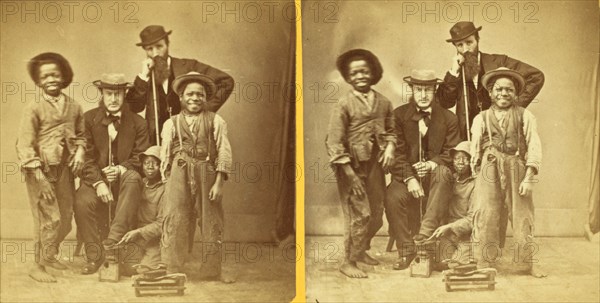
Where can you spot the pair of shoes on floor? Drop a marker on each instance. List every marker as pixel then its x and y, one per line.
pixel 403 262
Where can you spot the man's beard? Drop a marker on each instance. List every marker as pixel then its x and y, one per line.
pixel 161 69
pixel 471 65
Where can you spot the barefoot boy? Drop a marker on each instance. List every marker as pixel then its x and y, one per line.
pixel 361 142
pixel 51 149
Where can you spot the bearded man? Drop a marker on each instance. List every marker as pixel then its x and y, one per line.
pixel 465 38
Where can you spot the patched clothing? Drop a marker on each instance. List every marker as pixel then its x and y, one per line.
pixel 49 136
pixel 503 165
pixel 359 130
pixel 196 148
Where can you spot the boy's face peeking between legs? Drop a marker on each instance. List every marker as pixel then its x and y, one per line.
pixel 360 75
pixel 461 160
pixel 193 98
pixel 150 166
pixel 50 79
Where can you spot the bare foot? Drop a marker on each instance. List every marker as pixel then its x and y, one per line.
pixel 54 263
pixel 227 279
pixel 39 274
pixel 536 272
pixel 349 269
pixel 365 258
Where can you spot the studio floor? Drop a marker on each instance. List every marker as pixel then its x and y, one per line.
pixel 572 265
pixel 263 273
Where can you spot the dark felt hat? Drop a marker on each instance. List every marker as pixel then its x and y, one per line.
pixel 65 68
pixel 152 34
pixel 517 78
pixel 180 82
pixel 113 81
pixel 422 77
pixel 462 30
pixel 344 59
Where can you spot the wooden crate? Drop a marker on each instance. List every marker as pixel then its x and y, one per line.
pixel 164 286
pixel 482 279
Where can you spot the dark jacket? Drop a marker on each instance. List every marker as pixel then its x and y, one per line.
pixel 442 135
pixel 140 96
pixel 450 93
pixel 132 140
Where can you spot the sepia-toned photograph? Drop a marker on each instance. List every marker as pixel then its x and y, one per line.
pixel 148 151
pixel 451 151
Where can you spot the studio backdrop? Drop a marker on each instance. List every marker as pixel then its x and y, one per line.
pixel 100 37
pixel 558 37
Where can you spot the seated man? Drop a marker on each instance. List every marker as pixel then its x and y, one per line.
pixel 146 238
pixel 458 228
pixel 426 132
pixel 115 138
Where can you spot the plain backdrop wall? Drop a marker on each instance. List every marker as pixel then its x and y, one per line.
pixel 253 47
pixel 558 37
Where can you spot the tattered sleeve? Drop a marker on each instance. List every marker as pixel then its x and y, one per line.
pixel 224 157
pixel 27 139
pixel 336 140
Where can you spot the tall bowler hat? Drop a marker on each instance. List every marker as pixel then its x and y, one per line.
pixel 357 54
pixel 462 30
pixel 490 77
pixel 113 81
pixel 65 68
pixel 152 34
pixel 182 80
pixel 422 77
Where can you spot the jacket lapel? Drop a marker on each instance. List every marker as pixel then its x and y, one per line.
pixel 411 129
pixel 436 130
pixel 100 135
pixel 126 136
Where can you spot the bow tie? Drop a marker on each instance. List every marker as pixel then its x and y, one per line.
pixel 112 119
pixel 421 114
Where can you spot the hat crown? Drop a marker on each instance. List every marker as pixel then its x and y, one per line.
pixel 423 75
pixel 462 30
pixel 152 31
pixel 113 79
pixel 153 151
pixel 464 146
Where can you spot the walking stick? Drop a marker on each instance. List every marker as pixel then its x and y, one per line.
pixel 155 100
pixel 110 162
pixel 420 179
pixel 466 104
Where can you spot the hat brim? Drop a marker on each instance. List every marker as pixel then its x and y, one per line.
pixel 377 69
pixel 102 85
pixel 452 40
pixel 63 64
pixel 410 80
pixel 506 73
pixel 207 82
pixel 142 44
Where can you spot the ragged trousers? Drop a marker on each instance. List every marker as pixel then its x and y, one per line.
pixel 187 201
pixel 498 201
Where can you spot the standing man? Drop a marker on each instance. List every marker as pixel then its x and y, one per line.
pixel 155 42
pixel 115 139
pixel 421 168
pixel 465 38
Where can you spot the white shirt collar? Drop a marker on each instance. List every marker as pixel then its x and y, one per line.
pixel 117 114
pixel 424 110
pixel 61 97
